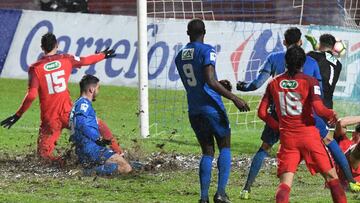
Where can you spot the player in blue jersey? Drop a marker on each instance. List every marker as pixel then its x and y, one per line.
pixel 196 66
pixel 275 65
pixel 91 150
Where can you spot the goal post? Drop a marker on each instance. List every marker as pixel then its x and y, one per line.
pixel 143 68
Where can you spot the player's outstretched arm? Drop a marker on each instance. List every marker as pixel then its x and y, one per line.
pixel 210 79
pixel 342 123
pixel 88 60
pixel 253 85
pixel 30 96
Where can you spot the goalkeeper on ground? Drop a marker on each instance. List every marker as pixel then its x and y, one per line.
pixel 89 147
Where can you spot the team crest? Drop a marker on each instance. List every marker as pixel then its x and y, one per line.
pixel 187 54
pixel 288 84
pixel 53 65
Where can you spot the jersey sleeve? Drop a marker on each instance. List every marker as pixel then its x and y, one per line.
pixel 84 122
pixel 267 66
pixel 263 110
pixel 32 92
pixel 209 57
pixel 87 60
pixel 315 98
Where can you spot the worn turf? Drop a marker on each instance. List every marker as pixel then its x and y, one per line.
pixel 24 179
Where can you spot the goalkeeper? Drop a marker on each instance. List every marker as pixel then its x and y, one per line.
pixel 90 148
pixel 275 65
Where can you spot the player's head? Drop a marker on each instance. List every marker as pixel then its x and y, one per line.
pixel 327 42
pixel 295 58
pixel 48 42
pixel 292 36
pixel 89 86
pixel 196 29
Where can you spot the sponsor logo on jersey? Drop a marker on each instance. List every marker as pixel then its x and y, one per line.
pixel 288 84
pixel 212 55
pixel 187 54
pixel 53 65
pixel 84 107
pixel 317 90
pixel 331 58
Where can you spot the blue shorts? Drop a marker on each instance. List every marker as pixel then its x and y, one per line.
pixel 216 123
pixel 269 136
pixel 321 126
pixel 91 154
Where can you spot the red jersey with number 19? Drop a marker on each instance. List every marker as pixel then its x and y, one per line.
pixel 49 77
pixel 294 98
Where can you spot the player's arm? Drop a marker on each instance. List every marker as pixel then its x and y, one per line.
pixel 342 123
pixel 318 105
pixel 209 72
pixel 91 59
pixel 263 111
pixel 82 124
pixel 317 75
pixel 264 74
pixel 32 92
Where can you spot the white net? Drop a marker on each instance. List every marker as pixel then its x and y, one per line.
pixel 252 30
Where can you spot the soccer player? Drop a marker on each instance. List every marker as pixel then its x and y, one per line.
pixel 295 95
pixel 275 65
pixel 89 146
pixel 350 147
pixel 196 66
pixel 49 78
pixel 330 68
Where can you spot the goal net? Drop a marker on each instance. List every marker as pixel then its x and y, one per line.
pixel 243 33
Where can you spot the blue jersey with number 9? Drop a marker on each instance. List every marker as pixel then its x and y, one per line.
pixel 190 63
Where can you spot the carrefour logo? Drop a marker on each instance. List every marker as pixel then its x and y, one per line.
pixel 288 84
pixel 52 65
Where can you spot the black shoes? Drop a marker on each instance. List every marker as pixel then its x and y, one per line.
pixel 221 198
pixel 203 201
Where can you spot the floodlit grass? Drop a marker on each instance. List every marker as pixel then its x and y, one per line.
pixel 117 106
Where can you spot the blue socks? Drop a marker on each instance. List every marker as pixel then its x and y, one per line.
pixel 340 159
pixel 255 167
pixel 224 166
pixel 205 175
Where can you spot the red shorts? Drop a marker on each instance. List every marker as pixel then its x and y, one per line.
pixel 308 147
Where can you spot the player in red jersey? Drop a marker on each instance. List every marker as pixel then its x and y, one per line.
pixel 350 147
pixel 49 78
pixel 295 95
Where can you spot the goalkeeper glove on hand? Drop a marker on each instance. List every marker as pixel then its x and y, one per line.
pixel 312 40
pixel 241 86
pixel 109 53
pixel 226 84
pixel 8 122
pixel 103 143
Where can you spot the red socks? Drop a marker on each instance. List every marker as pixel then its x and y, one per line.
pixel 282 193
pixel 337 192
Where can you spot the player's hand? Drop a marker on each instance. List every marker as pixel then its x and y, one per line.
pixel 8 122
pixel 241 104
pixel 109 53
pixel 241 86
pixel 226 84
pixel 333 120
pixel 102 142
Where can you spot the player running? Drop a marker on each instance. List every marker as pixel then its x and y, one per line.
pixel 275 65
pixel 89 146
pixel 49 78
pixel 196 66
pixel 295 95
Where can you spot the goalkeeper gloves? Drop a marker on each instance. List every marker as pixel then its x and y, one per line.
pixel 312 40
pixel 241 86
pixel 8 122
pixel 109 53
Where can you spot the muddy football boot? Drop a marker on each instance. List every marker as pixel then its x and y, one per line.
pixel 221 198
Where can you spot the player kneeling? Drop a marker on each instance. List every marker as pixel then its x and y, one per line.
pixel 295 95
pixel 90 148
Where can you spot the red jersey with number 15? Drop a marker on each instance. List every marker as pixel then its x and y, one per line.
pixel 50 76
pixel 294 99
